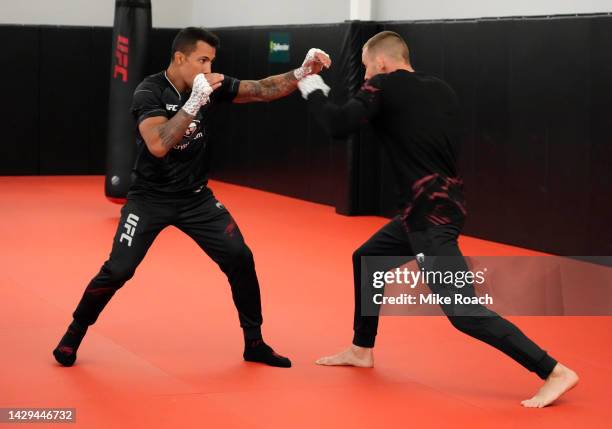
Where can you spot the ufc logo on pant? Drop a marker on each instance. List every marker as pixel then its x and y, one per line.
pixel 130 229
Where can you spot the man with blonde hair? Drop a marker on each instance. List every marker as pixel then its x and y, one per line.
pixel 414 116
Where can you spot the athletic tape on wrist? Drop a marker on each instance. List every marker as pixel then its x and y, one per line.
pixel 312 83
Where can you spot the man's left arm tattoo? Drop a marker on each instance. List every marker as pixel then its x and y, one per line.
pixel 268 89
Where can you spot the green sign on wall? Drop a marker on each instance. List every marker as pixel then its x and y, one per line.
pixel 279 48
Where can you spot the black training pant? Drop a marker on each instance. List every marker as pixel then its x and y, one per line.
pixel 476 320
pixel 201 217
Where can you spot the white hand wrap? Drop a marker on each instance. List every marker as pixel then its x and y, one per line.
pixel 312 83
pixel 200 93
pixel 306 69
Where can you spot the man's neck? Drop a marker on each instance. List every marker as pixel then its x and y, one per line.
pixel 173 77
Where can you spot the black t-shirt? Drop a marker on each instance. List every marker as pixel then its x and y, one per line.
pixel 414 116
pixel 185 167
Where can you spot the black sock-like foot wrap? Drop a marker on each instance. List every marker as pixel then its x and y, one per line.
pixel 65 352
pixel 258 351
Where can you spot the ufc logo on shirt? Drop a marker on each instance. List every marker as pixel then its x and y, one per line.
pixel 172 107
pixel 130 229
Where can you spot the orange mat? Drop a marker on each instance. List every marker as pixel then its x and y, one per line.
pixel 166 353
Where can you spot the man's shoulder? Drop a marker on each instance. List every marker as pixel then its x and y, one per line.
pixel 420 80
pixel 151 93
pixel 151 90
pixel 422 77
pixel 375 83
pixel 155 82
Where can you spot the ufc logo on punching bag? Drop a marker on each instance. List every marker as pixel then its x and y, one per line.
pixel 130 229
pixel 121 57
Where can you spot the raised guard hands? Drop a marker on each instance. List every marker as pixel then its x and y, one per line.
pixel 203 86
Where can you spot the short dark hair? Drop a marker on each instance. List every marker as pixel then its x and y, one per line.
pixel 390 43
pixel 187 39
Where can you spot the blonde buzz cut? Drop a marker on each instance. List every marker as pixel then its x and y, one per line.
pixel 390 44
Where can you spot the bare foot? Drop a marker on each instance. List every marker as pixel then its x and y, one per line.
pixel 558 382
pixel 353 356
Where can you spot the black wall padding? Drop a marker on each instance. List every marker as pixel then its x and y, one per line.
pixel 536 137
pixel 598 185
pixel 20 86
pixel 64 100
pixel 101 41
pixel 57 80
pixel 277 146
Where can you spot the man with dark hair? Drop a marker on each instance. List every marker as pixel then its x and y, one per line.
pixel 170 186
pixel 186 40
pixel 414 116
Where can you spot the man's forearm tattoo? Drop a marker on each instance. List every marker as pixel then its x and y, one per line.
pixel 267 89
pixel 172 131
